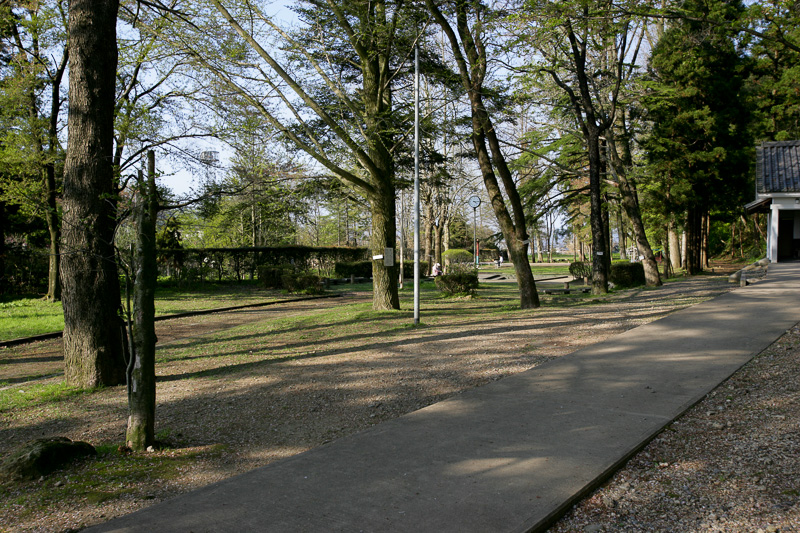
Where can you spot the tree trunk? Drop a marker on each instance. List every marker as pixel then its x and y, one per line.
pixel 630 201
pixel 3 279
pixel 51 188
pixel 384 279
pixel 469 52
pixel 437 245
pixel 599 251
pixel 629 198
pixel 606 213
pixel 53 279
pixel 694 238
pixel 623 241
pixel 427 237
pixel 93 350
pixel 142 391
pixel 704 255
pixel 673 245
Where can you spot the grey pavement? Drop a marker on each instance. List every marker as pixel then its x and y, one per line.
pixel 509 456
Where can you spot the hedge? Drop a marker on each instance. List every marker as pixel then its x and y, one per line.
pixel 188 264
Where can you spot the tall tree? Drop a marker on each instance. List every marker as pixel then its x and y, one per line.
pixel 775 80
pixel 588 49
pixel 464 24
pixel 93 344
pixel 329 93
pixel 699 148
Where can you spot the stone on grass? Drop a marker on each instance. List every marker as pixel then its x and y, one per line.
pixel 41 457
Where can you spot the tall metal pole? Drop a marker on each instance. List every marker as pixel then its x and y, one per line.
pixel 475 235
pixel 416 185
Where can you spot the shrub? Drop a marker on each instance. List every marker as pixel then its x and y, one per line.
pixel 458 261
pixel 457 284
pixel 625 274
pixel 580 269
pixel 304 282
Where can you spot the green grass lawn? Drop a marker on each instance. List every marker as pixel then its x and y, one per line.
pixel 24 316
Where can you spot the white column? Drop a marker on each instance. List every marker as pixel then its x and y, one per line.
pixel 772 234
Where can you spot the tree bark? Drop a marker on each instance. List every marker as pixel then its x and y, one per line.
pixel 142 386
pixel 674 245
pixel 385 295
pixel 93 350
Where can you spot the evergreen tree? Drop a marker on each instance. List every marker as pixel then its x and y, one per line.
pixel 699 149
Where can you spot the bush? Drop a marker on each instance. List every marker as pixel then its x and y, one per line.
pixel 303 282
pixel 457 284
pixel 624 274
pixel 580 269
pixel 458 261
pixel 359 269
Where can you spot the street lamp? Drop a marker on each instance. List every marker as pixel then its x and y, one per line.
pixel 475 203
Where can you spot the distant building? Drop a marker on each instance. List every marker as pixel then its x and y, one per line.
pixel 778 195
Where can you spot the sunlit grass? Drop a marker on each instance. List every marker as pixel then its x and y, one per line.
pixel 26 316
pixel 37 394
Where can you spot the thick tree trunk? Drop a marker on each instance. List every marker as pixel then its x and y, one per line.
pixel 599 240
pixel 93 350
pixel 142 391
pixel 437 246
pixel 384 279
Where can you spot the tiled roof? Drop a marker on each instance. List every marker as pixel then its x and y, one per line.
pixel 778 167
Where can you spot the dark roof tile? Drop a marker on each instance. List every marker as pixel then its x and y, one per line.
pixel 778 167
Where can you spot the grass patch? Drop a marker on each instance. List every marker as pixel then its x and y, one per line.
pixel 108 476
pixel 37 394
pixel 25 316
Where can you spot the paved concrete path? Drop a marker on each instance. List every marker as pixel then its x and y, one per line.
pixel 509 456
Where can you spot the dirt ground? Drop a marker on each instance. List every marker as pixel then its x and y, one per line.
pixel 273 392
